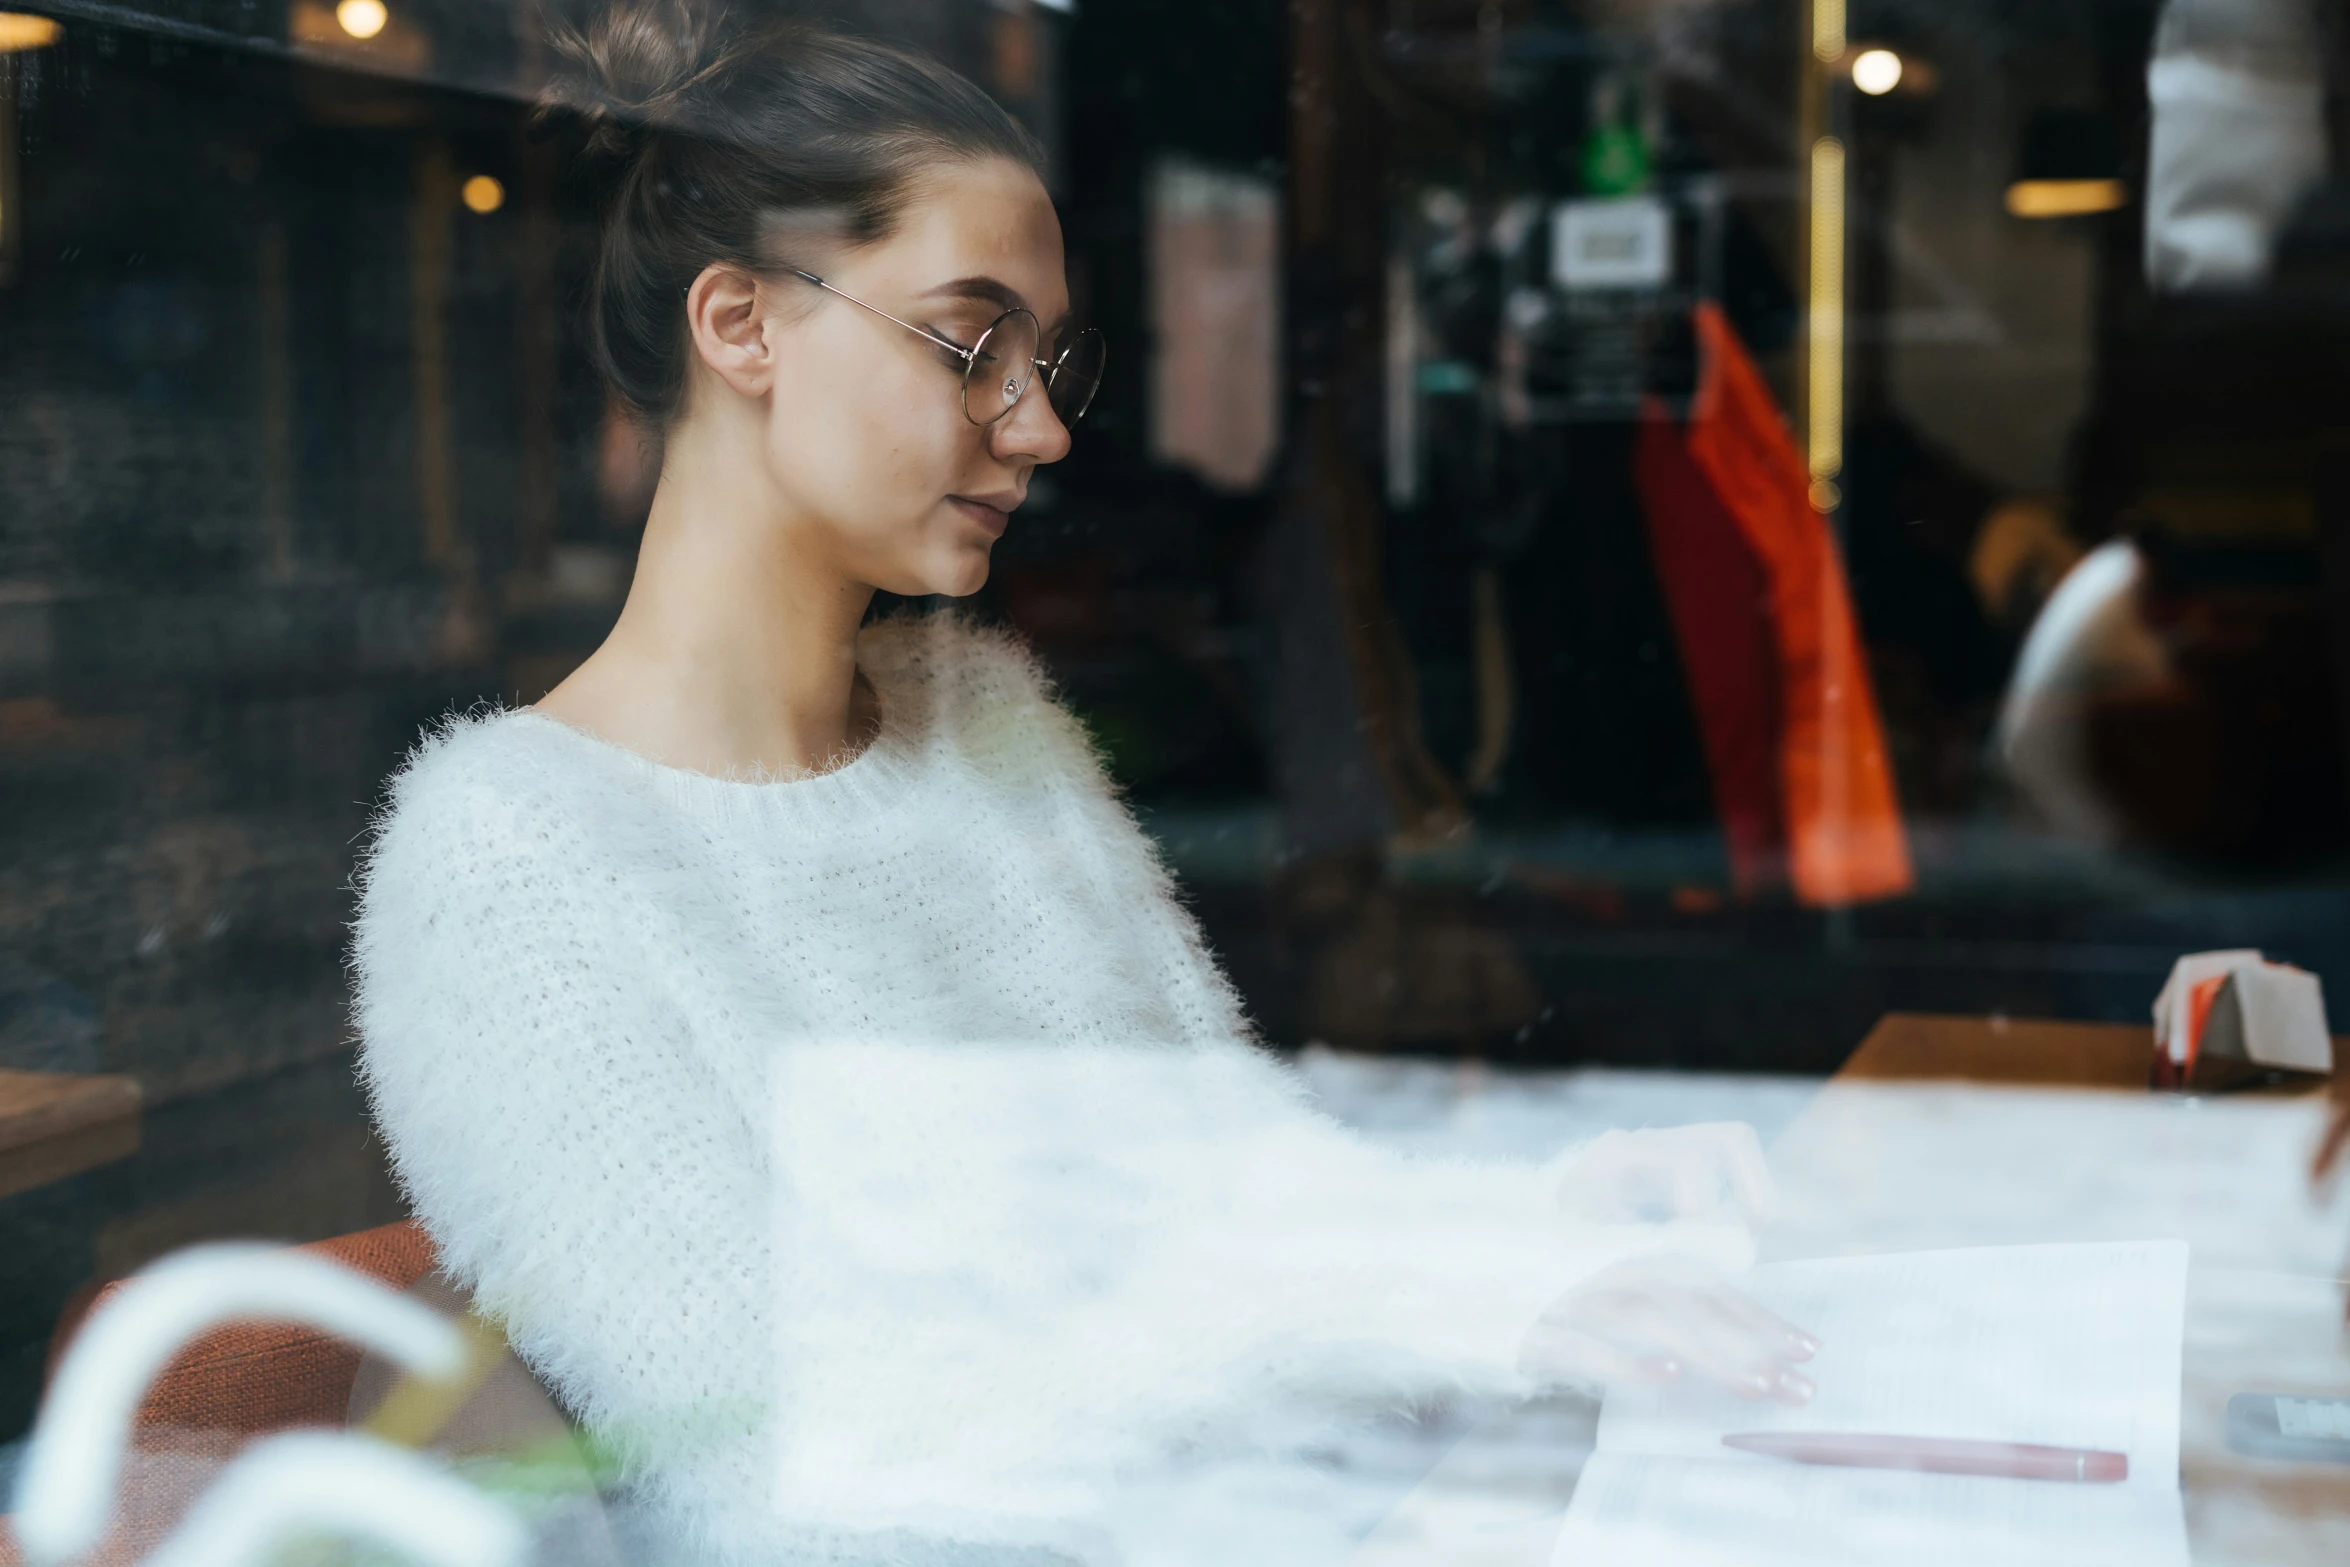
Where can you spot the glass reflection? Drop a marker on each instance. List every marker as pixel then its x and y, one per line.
pixel 1631 539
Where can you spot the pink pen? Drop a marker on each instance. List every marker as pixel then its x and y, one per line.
pixel 1938 1455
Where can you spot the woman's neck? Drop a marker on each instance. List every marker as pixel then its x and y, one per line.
pixel 736 652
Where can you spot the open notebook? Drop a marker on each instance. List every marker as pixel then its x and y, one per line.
pixel 2069 1346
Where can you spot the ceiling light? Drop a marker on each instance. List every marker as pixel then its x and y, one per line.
pixel 1876 71
pixel 19 31
pixel 362 18
pixel 2064 198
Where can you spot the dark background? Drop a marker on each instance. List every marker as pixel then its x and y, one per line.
pixel 297 453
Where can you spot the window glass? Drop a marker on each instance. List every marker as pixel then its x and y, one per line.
pixel 1638 563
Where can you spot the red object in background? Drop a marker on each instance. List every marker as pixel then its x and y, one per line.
pixel 1766 628
pixel 1720 604
pixel 2199 1000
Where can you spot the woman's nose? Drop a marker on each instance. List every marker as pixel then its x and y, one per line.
pixel 1032 429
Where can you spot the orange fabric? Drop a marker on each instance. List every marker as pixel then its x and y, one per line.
pixel 255 1377
pixel 1719 599
pixel 1845 839
pixel 228 1387
pixel 163 1475
pixel 2200 996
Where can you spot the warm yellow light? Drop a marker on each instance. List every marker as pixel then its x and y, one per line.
pixel 483 193
pixel 1827 30
pixel 1876 71
pixel 362 18
pixel 1824 422
pixel 19 31
pixel 2065 198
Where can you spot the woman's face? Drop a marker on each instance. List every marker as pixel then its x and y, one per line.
pixel 866 438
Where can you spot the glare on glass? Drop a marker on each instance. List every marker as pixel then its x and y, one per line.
pixel 998 368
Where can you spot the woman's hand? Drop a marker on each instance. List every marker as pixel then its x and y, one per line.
pixel 1660 1318
pixel 1713 1171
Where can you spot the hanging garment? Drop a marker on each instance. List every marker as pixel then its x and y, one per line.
pixel 1766 628
pixel 1720 603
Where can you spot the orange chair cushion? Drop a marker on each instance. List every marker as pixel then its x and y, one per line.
pixel 228 1387
pixel 255 1377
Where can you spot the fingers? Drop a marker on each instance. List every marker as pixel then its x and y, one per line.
pixel 1668 1311
pixel 1565 1354
pixel 1753 1335
pixel 1718 1344
pixel 1712 1331
pixel 1767 1325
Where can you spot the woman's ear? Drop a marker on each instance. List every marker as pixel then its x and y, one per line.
pixel 727 318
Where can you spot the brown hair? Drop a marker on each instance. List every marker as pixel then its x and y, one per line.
pixel 736 136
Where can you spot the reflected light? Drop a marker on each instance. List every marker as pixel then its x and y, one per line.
pixel 483 193
pixel 1827 30
pixel 19 31
pixel 1876 71
pixel 2064 198
pixel 1824 424
pixel 362 18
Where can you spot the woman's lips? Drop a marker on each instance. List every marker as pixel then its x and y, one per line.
pixel 993 518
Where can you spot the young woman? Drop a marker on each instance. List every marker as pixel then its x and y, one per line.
pixel 781 1026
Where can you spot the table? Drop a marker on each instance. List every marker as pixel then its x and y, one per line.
pixel 2035 1052
pixel 1914 1046
pixel 1955 1131
pixel 1943 1131
pixel 56 1124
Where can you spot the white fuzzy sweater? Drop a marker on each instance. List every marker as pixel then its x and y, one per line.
pixel 878 1162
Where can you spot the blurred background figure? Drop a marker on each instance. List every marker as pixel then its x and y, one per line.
pixel 2089 641
pixel 2237 94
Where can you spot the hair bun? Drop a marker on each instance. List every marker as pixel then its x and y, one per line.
pixel 630 62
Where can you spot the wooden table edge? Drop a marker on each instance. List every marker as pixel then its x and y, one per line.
pixel 56 1124
pixel 2025 1052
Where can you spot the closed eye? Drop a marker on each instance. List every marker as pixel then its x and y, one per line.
pixel 948 347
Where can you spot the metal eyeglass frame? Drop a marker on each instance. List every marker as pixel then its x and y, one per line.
pixel 970 356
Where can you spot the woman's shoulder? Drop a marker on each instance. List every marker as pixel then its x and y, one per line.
pixel 490 775
pixel 979 691
pixel 485 750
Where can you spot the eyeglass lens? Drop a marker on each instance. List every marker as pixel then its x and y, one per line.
pixel 1077 375
pixel 1001 364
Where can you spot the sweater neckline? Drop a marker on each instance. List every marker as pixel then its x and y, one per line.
pixel 876 776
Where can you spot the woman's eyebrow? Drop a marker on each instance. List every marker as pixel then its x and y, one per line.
pixel 991 291
pixel 986 289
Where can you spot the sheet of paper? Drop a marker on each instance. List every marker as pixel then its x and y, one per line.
pixel 2068 1345
pixel 1668 1512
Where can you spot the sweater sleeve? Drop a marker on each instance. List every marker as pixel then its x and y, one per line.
pixel 1372 1268
pixel 1407 1273
pixel 575 1161
pixel 1039 1264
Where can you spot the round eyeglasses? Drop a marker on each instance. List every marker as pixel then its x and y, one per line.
pixel 998 368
